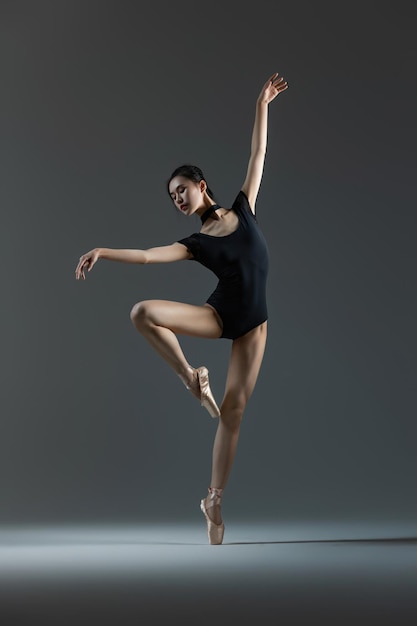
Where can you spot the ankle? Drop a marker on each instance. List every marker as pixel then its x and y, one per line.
pixel 214 497
pixel 189 377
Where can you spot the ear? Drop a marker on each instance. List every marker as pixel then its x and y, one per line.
pixel 203 186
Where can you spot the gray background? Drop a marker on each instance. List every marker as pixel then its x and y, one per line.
pixel 100 102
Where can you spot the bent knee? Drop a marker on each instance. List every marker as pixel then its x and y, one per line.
pixel 141 313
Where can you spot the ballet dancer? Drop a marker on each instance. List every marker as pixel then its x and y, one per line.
pixel 230 244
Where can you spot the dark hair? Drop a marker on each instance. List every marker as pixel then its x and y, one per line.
pixel 192 172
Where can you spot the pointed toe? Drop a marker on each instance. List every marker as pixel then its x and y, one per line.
pixel 215 532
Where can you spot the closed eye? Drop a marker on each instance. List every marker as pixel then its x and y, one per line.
pixel 179 191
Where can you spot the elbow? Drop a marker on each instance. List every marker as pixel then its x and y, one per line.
pixel 143 257
pixel 258 152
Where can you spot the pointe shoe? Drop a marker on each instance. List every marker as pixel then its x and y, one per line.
pixel 207 399
pixel 215 532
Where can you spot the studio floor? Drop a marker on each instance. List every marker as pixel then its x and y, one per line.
pixel 288 573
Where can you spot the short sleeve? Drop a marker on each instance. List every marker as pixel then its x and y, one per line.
pixel 241 204
pixel 193 245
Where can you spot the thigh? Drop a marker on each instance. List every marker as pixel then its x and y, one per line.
pixel 181 318
pixel 245 362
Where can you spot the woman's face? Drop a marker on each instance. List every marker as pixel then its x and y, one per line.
pixel 186 194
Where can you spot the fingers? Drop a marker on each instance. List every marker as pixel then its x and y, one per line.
pixel 79 271
pixel 274 78
pixel 85 265
pixel 281 87
pixel 278 82
pixel 270 81
pixel 278 85
pixel 274 86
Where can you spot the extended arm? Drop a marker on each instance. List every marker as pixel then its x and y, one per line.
pixel 269 91
pixel 161 254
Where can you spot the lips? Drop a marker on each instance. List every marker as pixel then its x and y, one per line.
pixel 183 206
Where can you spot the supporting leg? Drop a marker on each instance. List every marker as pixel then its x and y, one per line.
pixel 245 362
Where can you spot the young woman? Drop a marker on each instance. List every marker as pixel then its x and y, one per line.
pixel 230 244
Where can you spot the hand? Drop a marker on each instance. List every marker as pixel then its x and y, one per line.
pixel 87 260
pixel 272 88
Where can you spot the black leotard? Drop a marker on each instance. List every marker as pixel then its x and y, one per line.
pixel 240 260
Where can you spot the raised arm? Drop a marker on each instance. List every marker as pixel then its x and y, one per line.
pixel 161 254
pixel 270 90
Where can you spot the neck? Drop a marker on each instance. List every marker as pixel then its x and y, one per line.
pixel 208 212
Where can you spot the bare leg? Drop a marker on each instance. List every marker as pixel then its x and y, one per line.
pixel 245 362
pixel 160 321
